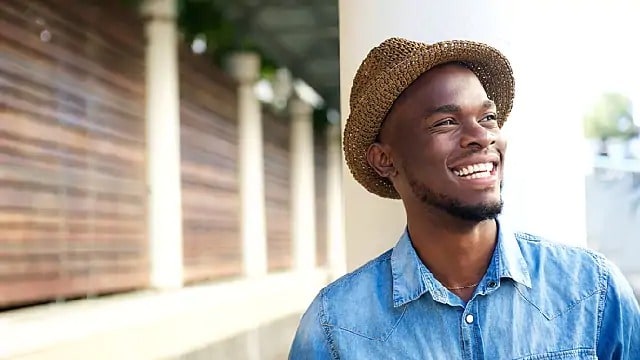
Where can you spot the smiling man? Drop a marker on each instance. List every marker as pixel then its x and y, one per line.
pixel 425 128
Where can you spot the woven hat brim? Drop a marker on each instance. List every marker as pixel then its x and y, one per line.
pixel 369 111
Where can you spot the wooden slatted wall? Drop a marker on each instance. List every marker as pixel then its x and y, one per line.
pixel 209 137
pixel 72 150
pixel 320 157
pixel 277 191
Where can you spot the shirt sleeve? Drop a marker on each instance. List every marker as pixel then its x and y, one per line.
pixel 311 341
pixel 619 336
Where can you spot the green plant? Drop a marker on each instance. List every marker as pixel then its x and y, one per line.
pixel 610 117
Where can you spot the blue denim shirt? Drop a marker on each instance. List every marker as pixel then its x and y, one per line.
pixel 537 300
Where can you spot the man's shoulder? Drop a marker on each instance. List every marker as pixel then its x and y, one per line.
pixel 562 275
pixel 348 302
pixel 360 282
pixel 536 248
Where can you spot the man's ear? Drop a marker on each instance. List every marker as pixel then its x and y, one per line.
pixel 379 158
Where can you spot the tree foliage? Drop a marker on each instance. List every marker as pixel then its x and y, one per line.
pixel 610 117
pixel 213 21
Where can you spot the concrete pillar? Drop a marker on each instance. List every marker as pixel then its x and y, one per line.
pixel 163 145
pixel 372 225
pixel 245 67
pixel 335 227
pixel 303 224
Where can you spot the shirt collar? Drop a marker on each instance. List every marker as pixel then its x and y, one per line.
pixel 411 279
pixel 511 263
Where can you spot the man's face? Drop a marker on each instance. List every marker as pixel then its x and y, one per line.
pixel 443 141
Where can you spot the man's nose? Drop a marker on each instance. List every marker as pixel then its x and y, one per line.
pixel 476 135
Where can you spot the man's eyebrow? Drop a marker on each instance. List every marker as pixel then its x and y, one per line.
pixel 488 104
pixel 453 108
pixel 446 109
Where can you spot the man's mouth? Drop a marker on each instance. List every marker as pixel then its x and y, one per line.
pixel 476 171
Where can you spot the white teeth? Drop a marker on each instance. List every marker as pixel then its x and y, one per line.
pixel 476 170
pixel 478 175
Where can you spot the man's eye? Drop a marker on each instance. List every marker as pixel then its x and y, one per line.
pixel 490 117
pixel 446 122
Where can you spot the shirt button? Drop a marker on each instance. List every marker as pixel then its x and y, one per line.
pixel 469 319
pixel 492 284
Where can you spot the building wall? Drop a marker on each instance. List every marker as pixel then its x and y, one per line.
pixel 210 318
pixel 72 204
pixel 72 129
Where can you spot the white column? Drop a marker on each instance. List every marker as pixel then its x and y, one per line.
pixel 303 215
pixel 163 145
pixel 335 227
pixel 245 67
pixel 372 224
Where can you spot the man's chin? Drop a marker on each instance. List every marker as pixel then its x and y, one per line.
pixel 470 207
pixel 475 212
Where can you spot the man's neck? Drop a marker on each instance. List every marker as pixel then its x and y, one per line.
pixel 457 252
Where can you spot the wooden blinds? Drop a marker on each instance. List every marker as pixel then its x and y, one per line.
pixel 277 191
pixel 72 151
pixel 209 138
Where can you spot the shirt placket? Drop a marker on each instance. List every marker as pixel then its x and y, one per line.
pixel 470 332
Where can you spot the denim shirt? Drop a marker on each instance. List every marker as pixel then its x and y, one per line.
pixel 537 300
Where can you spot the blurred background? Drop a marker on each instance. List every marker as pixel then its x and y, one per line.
pixel 171 177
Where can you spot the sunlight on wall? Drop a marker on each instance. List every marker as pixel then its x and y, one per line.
pixel 564 55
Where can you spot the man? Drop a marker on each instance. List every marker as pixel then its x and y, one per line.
pixel 425 127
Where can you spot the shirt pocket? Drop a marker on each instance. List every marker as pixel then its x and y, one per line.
pixel 575 354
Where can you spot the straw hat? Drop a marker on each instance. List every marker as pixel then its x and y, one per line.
pixel 388 70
